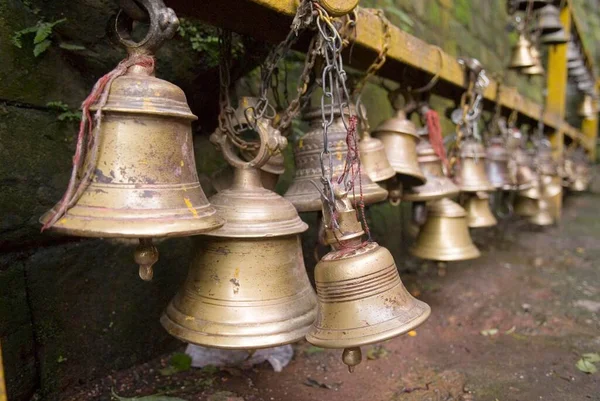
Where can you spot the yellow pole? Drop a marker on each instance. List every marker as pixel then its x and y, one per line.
pixel 557 82
pixel 3 396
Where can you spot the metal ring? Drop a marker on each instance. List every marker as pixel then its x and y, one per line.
pixel 435 78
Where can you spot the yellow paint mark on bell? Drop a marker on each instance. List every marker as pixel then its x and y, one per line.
pixel 301 143
pixel 181 163
pixel 190 207
pixel 412 333
pixel 143 161
pixel 339 155
pixel 190 318
pixel 236 273
pixel 62 221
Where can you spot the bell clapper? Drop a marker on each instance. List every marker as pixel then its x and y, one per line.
pixel 352 357
pixel 146 255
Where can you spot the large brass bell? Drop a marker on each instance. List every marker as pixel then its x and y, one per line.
pixel 470 175
pixel 445 234
pixel 478 210
pixel 399 137
pixel 303 193
pixel 438 185
pixel 247 286
pixel 144 182
pixel 496 165
pixel 586 108
pixel 361 299
pixel 549 20
pixel 521 54
pixel 556 38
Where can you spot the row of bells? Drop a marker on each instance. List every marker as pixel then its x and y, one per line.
pixel 247 285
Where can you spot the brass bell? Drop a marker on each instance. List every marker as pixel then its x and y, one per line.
pixel 247 286
pixel 302 192
pixel 470 175
pixel 497 165
pixel 525 176
pixel 144 183
pixel 549 20
pixel 269 173
pixel 525 207
pixel 521 54
pixel 586 108
pixel 478 210
pixel 542 217
pixel 438 185
pixel 399 137
pixel 445 234
pixel 361 298
pixel 374 159
pixel 537 68
pixel 556 38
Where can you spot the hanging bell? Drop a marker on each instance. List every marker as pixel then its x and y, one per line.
pixel 269 173
pixel 549 20
pixel 559 37
pixel 361 299
pixel 445 235
pixel 537 68
pixel 521 54
pixel 478 210
pixel 525 207
pixel 586 108
pixel 542 217
pixel 144 182
pixel 470 175
pixel 525 175
pixel 374 159
pixel 578 72
pixel 575 64
pixel 303 193
pixel 437 185
pixel 399 137
pixel 573 52
pixel 247 286
pixel 497 165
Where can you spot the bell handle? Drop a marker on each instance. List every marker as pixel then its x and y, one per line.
pixel 271 142
pixel 163 23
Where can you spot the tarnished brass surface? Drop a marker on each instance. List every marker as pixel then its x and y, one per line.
pixel 543 216
pixel 337 8
pixel 537 68
pixel 269 173
pixel 586 108
pixel 470 175
pixel 549 20
pixel 145 183
pixel 348 227
pixel 478 210
pixel 374 159
pixel 520 54
pixel 445 235
pixel 526 177
pixel 399 137
pixel 555 38
pixel 525 207
pixel 247 286
pixel 438 185
pixel 303 194
pixel 496 165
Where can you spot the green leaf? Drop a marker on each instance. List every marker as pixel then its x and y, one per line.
pixel 45 30
pixel 71 46
pixel 490 332
pixel 586 366
pixel 41 47
pixel 313 350
pixel 593 358
pixel 17 36
pixel 154 397
pixel 179 362
pixel 376 352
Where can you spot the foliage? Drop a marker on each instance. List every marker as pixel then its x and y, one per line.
pixel 179 362
pixel 587 363
pixel 64 112
pixel 42 39
pixel 200 39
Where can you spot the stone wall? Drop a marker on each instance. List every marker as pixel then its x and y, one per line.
pixel 73 309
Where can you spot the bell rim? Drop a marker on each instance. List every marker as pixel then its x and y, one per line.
pixel 376 194
pixel 466 253
pixel 415 197
pixel 381 175
pixel 373 338
pixel 482 222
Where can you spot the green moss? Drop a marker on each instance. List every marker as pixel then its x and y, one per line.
pixel 462 11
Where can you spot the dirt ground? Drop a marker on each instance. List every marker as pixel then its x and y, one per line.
pixel 534 292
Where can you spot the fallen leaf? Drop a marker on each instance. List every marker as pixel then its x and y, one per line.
pixel 316 384
pixel 313 350
pixel 489 332
pixel 412 333
pixel 592 357
pixel 511 330
pixel 586 366
pixel 376 352
pixel 179 362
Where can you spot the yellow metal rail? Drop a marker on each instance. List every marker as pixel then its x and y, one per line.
pixel 270 20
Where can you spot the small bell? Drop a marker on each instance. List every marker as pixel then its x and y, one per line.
pixel 470 175
pixel 575 64
pixel 478 210
pixel 537 68
pixel 556 38
pixel 578 71
pixel 586 108
pixel 438 185
pixel 549 20
pixel 573 52
pixel 303 193
pixel 399 137
pixel 542 217
pixel 374 159
pixel 361 299
pixel 521 54
pixel 247 286
pixel 497 165
pixel 445 235
pixel 525 176
pixel 144 182
pixel 525 207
